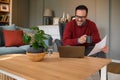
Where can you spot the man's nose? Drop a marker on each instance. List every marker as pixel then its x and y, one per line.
pixel 79 19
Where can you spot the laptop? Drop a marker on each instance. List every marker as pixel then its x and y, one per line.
pixel 71 51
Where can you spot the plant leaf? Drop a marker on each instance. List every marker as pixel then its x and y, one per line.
pixel 26 38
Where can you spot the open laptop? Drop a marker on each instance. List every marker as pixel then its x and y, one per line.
pixel 71 51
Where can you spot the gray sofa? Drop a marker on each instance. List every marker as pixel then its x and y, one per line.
pixel 15 49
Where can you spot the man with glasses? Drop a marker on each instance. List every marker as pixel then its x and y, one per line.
pixel 78 30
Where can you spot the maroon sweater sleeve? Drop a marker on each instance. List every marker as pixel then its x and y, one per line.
pixel 67 35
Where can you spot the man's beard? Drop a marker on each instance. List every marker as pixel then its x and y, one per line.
pixel 83 23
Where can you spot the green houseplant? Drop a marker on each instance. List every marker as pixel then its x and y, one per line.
pixel 37 44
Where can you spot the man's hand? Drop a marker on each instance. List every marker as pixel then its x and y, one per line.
pixel 82 39
pixel 105 49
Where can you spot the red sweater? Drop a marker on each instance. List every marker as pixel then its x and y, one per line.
pixel 72 32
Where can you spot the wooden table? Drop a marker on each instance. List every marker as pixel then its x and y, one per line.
pixel 18 66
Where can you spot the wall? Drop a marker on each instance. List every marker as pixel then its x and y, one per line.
pixel 115 29
pixel 68 6
pixel 102 17
pixel 20 13
pixel 36 11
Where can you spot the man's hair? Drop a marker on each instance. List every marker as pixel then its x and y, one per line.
pixel 81 7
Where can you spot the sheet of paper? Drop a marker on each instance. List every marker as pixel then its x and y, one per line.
pixel 98 46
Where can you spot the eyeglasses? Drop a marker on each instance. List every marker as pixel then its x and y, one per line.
pixel 81 17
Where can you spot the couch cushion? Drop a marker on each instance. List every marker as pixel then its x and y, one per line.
pixel 11 27
pixel 25 47
pixel 25 30
pixel 13 37
pixel 11 50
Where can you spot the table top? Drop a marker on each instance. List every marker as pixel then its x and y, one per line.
pixel 52 67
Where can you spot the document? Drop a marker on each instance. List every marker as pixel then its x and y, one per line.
pixel 99 46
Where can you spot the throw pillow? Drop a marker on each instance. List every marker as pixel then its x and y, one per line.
pixel 5 27
pixel 13 37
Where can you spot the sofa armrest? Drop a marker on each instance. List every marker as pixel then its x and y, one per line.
pixel 49 40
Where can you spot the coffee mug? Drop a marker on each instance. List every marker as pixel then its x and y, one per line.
pixel 89 39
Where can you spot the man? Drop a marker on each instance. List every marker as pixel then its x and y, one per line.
pixel 77 31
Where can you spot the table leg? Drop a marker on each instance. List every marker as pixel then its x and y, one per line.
pixel 103 73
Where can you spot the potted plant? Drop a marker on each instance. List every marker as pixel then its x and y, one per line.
pixel 36 52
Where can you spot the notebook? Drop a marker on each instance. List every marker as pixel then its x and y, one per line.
pixel 71 51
